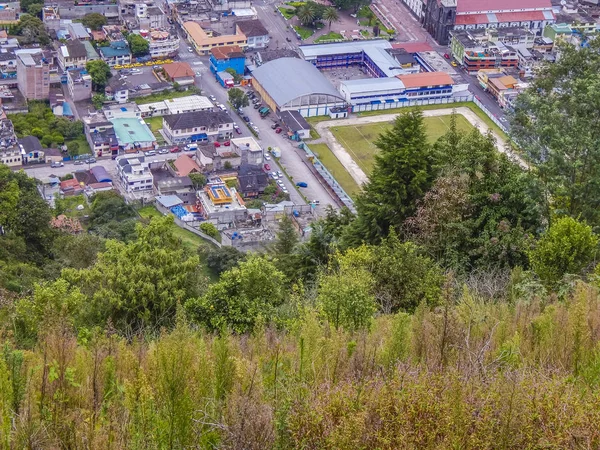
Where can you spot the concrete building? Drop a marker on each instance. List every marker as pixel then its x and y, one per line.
pixel 79 83
pixel 162 44
pixel 116 54
pixel 117 90
pixel 133 134
pixel 249 150
pixel 134 173
pixel 33 74
pixel 203 41
pixel 122 111
pixel 228 57
pixel 462 41
pixel 73 9
pixel 50 17
pixel 442 16
pixel 293 84
pixel 10 152
pixel 78 32
pixel 295 123
pixel 101 137
pixel 178 105
pixel 182 187
pixel 31 150
pixel 91 53
pixel 180 73
pixel 221 204
pixel 255 32
pixel 199 126
pixel 72 55
pixel 474 53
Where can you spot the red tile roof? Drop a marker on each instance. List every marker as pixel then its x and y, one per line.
pixel 471 19
pixel 414 47
pixel 415 80
pixel 500 5
pixel 178 70
pixel 72 183
pixel 229 51
pixel 520 16
pixel 186 165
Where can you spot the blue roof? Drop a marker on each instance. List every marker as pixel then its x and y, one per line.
pixel 67 109
pixel 117 48
pixel 101 174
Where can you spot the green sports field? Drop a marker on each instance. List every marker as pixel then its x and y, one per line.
pixel 359 140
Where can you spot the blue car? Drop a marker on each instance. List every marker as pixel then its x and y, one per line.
pixel 302 184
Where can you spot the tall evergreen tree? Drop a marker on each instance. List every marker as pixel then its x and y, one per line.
pixel 403 172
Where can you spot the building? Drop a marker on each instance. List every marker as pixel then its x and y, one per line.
pixel 50 17
pixel 31 150
pixel 134 173
pixel 197 126
pixel 8 63
pixel 530 61
pixel 295 123
pixel 74 9
pixel 162 44
pixel 184 166
pixel 221 204
pixel 154 19
pixel 204 41
pixel 79 83
pixel 228 57
pixel 117 90
pixel 255 32
pixel 133 134
pixel 476 54
pixel 417 7
pixel 117 53
pixel 252 180
pixel 178 105
pixel 122 111
pixel 504 88
pixel 10 152
pixel 78 32
pixel 91 53
pixel 393 92
pixel 182 187
pixel 33 74
pixel 442 16
pixel 180 73
pixel 102 138
pixel 52 155
pixel 293 84
pixel 72 55
pixel 462 41
pixel 249 150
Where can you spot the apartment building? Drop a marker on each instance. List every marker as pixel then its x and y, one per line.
pixel 163 44
pixel 79 83
pixel 134 173
pixel 72 55
pixel 197 126
pixel 33 74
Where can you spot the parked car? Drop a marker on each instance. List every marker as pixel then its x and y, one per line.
pixel 267 157
pixel 275 125
pixel 256 105
pixel 227 143
pixel 191 147
pixel 57 164
pixel 274 175
pixel 280 183
pixel 175 150
pixel 78 162
pixel 150 153
pixel 284 190
pixel 164 151
pixel 446 55
pixel 221 106
pixel 267 167
pixel 302 184
pixel 246 118
pixel 280 174
pixel 453 64
pixel 91 160
pixel 217 144
pixel 316 202
pixel 277 130
pixel 237 130
pixel 212 98
pixel 255 128
pixel 190 49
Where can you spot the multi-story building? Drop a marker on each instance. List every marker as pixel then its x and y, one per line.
pixel 51 18
pixel 442 16
pixel 204 41
pixel 72 55
pixel 180 105
pixel 134 172
pixel 197 126
pixel 228 57
pixel 530 61
pixel 133 134
pixel 10 152
pixel 475 54
pixel 101 137
pixel 255 31
pixel 79 83
pixel 162 44
pixel 117 90
pixel 33 74
pixel 117 53
pixel 78 32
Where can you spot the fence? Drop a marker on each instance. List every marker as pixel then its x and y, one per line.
pixel 406 104
pixel 329 178
pixel 490 115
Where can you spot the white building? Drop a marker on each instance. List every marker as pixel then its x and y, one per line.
pixel 134 172
pixel 197 126
pixel 180 105
pixel 122 111
pixel 163 44
pixel 254 30
pixel 254 151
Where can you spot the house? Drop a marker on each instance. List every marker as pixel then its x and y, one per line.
pixel 295 123
pixel 102 138
pixel 11 156
pixel 180 73
pixel 52 155
pixel 78 32
pixel 123 110
pixel 204 41
pixel 178 105
pixel 10 152
pixel 72 55
pixel 221 204
pixel 117 90
pixel 228 57
pixel 8 63
pixel 250 151
pixel 252 180
pixel 182 187
pixel 184 165
pixel 31 149
pixel 70 187
pixel 133 134
pixel 117 53
pixel 91 53
pixel 79 83
pixel 134 172
pixel 255 32
pixel 33 74
pixel 197 126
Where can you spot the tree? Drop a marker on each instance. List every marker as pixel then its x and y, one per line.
pixel 198 179
pixel 100 73
pixel 98 100
pixel 138 284
pixel 330 15
pixel 403 172
pixel 307 13
pixel 95 21
pixel 221 259
pixel 138 45
pixel 32 30
pixel 568 247
pixel 345 292
pixel 284 248
pixel 237 98
pixel 209 229
pixel 555 123
pixel 111 217
pixel 243 296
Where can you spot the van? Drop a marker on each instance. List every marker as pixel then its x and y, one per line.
pixel 191 147
pixel 222 107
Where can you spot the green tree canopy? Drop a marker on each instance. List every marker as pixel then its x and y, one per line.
pixel 330 15
pixel 138 45
pixel 568 247
pixel 243 296
pixel 31 30
pixel 237 98
pixel 100 73
pixel 95 21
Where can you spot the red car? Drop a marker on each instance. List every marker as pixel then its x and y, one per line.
pixel 217 144
pixel 277 130
pixel 267 167
pixel 446 55
pixel 226 143
pixel 175 150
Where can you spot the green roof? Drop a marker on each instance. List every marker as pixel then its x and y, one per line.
pixel 130 131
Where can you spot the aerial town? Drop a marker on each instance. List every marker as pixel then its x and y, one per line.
pixel 271 224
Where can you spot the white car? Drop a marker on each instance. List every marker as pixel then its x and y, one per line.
pixel 212 98
pixel 280 174
pixel 164 151
pixel 274 175
pixel 221 106
pixel 267 157
pixel 255 128
pixel 280 183
pixel 150 153
pixel 285 191
pixel 190 49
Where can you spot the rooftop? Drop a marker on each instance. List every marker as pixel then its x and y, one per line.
pixel 252 28
pixel 186 165
pixel 130 131
pixel 424 79
pixel 294 120
pixel 73 49
pixel 196 119
pixel 201 37
pixel 246 142
pixel 79 31
pixel 178 70
pixel 286 79
pixel 116 48
pixel 227 52
pixel 467 6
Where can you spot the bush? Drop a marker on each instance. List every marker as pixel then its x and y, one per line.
pixel 210 230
